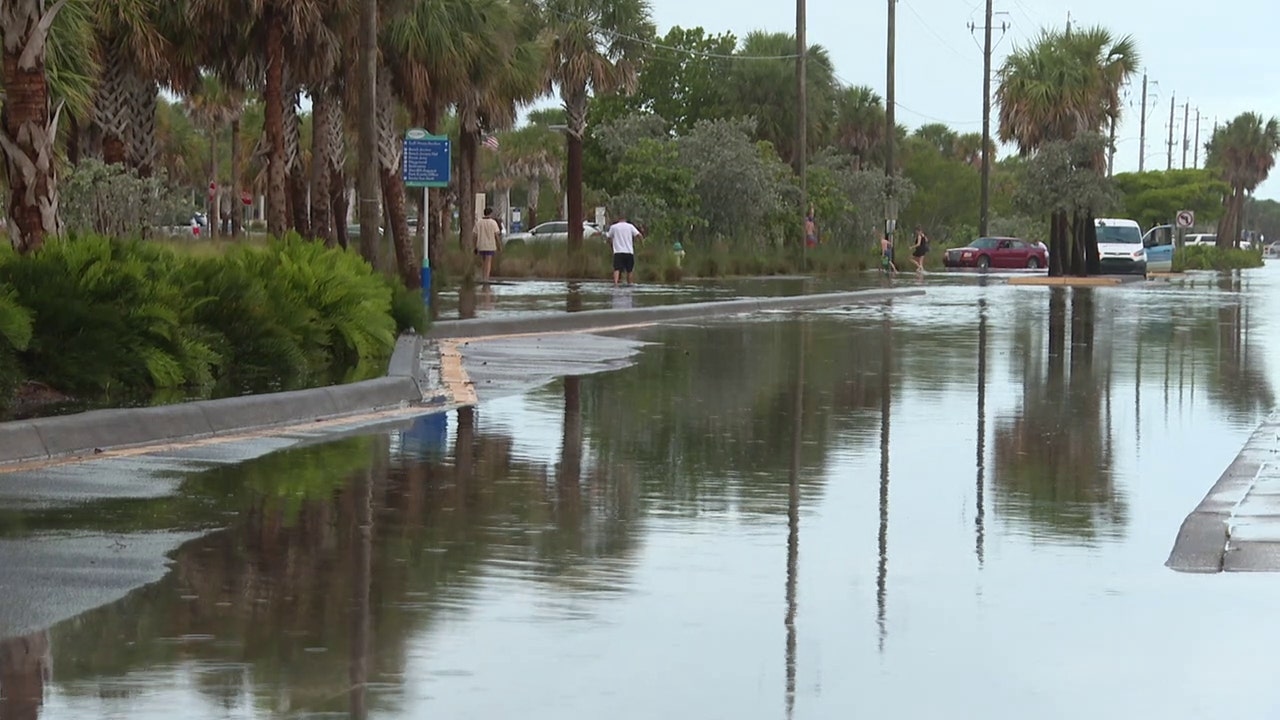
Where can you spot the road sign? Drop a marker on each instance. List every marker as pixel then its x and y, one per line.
pixel 246 198
pixel 1186 219
pixel 426 159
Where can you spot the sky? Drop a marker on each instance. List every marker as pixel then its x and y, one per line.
pixel 1191 50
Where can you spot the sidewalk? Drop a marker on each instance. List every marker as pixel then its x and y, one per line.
pixel 1236 528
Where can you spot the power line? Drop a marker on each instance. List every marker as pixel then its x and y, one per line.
pixel 933 32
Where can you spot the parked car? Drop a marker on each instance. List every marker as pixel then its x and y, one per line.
pixel 190 228
pixel 997 252
pixel 554 231
pixel 1120 247
pixel 1272 250
pixel 1199 239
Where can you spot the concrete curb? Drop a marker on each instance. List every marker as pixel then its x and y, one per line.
pixel 95 430
pixel 1201 545
pixel 586 320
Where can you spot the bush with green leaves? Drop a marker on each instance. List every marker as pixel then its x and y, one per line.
pixel 115 201
pixel 103 318
pixel 1209 257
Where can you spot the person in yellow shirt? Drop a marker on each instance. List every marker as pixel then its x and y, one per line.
pixel 488 241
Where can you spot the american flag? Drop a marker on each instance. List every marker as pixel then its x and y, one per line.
pixel 491 142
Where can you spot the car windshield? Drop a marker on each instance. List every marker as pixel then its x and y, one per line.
pixel 984 243
pixel 1125 234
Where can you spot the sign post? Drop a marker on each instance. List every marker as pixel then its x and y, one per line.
pixel 426 165
pixel 1186 219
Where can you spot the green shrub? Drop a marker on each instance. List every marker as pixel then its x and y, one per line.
pixel 1209 257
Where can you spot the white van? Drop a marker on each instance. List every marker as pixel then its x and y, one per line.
pixel 1120 246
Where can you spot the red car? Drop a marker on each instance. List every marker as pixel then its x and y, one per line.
pixel 998 252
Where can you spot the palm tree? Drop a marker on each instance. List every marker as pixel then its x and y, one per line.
pixel 859 123
pixel 597 48
pixel 499 84
pixel 212 107
pixel 1064 85
pixel 765 90
pixel 1243 152
pixel 257 48
pixel 42 72
pixel 534 154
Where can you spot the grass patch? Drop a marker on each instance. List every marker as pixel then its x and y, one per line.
pixel 1209 257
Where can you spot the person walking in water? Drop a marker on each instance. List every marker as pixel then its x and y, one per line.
pixel 886 255
pixel 920 249
pixel 488 237
pixel 810 229
pixel 623 235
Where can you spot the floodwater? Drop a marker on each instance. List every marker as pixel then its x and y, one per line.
pixel 954 506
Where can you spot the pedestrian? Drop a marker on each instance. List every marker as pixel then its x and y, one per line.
pixel 623 235
pixel 886 255
pixel 488 241
pixel 920 249
pixel 810 230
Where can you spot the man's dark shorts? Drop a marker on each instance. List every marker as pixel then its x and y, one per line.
pixel 487 253
pixel 624 262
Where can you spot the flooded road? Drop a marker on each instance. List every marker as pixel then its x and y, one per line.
pixel 954 506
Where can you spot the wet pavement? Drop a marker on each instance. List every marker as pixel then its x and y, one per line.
pixel 957 505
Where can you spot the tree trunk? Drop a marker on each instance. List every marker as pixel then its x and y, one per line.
pixel 215 190
pixel 1078 245
pixel 1057 243
pixel 324 116
pixel 273 97
pixel 236 202
pixel 73 141
pixel 143 100
pixel 298 201
pixel 390 150
pixel 575 216
pixel 368 154
pixel 534 189
pixel 111 105
pixel 29 125
pixel 467 149
pixel 338 201
pixel 25 668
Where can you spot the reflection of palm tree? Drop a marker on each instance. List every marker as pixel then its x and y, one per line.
pixel 1053 462
pixel 25 666
pixel 362 583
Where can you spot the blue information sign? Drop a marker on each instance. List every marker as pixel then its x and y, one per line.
pixel 426 159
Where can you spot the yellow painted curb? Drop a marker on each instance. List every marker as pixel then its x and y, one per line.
pixel 1067 281
pixel 454 375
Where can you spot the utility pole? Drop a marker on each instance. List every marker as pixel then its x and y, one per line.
pixel 984 213
pixel 891 124
pixel 1171 108
pixel 802 98
pixel 1142 132
pixel 1186 129
pixel 1196 162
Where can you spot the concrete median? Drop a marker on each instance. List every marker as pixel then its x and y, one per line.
pixel 593 319
pixel 20 441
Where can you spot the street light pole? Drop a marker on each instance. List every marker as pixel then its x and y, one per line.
pixel 985 208
pixel 802 102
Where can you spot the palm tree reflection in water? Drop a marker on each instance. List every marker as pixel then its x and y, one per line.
pixel 793 518
pixel 886 369
pixel 25 668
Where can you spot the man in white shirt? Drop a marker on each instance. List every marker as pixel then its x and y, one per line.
pixel 623 235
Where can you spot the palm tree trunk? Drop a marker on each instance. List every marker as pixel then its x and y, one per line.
pixel 29 125
pixel 325 117
pixel 215 191
pixel 111 107
pixel 1057 243
pixel 273 97
pixel 236 202
pixel 143 98
pixel 390 150
pixel 467 149
pixel 534 189
pixel 298 201
pixel 338 201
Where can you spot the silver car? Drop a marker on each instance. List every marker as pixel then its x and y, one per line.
pixel 554 231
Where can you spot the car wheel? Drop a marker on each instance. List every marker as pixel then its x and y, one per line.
pixel 1033 264
pixel 984 262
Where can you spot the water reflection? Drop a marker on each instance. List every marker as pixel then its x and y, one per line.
pixel 1053 460
pixel 373 576
pixel 25 667
pixel 882 567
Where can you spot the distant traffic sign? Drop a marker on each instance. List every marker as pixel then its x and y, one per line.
pixel 426 159
pixel 1186 219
